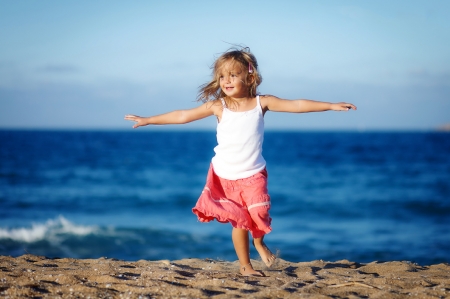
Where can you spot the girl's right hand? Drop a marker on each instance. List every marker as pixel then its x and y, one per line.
pixel 342 106
pixel 140 121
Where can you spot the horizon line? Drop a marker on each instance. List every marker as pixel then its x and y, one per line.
pixel 213 130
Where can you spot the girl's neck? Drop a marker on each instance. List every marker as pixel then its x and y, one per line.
pixel 240 104
pixel 239 100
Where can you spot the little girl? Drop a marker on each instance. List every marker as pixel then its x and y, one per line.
pixel 236 184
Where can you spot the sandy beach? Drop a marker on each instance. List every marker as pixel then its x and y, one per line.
pixel 41 277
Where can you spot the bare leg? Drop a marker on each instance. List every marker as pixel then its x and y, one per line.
pixel 241 245
pixel 266 255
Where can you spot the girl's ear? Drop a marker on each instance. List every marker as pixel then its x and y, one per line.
pixel 250 78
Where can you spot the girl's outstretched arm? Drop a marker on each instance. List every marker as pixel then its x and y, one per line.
pixel 173 117
pixel 272 103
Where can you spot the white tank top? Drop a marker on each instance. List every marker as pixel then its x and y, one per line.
pixel 240 136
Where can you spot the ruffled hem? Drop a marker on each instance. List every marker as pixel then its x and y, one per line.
pixel 260 234
pixel 208 217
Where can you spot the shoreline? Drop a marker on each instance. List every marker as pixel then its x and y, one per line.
pixel 37 276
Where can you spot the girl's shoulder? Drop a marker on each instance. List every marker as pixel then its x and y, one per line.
pixel 267 96
pixel 216 106
pixel 265 100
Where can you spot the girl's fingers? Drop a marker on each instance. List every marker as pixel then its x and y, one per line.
pixel 131 117
pixel 134 118
pixel 349 106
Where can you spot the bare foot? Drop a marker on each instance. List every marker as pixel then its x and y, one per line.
pixel 248 270
pixel 266 255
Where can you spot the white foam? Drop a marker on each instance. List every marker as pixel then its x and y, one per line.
pixel 46 231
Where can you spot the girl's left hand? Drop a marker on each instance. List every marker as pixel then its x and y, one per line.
pixel 140 121
pixel 342 106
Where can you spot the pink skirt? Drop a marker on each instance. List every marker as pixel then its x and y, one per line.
pixel 244 203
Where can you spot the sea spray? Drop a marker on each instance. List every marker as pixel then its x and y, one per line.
pixel 51 230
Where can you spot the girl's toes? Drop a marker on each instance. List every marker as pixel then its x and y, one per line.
pixel 270 260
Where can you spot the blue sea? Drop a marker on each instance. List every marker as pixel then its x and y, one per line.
pixel 361 196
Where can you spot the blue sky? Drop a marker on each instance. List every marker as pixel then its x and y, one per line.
pixel 85 64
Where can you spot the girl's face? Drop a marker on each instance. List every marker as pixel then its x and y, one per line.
pixel 232 80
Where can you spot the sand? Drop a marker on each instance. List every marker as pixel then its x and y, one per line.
pixel 40 277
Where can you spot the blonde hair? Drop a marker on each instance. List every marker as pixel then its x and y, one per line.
pixel 245 60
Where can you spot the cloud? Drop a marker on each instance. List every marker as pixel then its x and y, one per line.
pixel 69 105
pixel 58 68
pixel 428 78
pixel 64 105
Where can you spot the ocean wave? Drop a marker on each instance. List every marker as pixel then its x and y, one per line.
pixel 49 230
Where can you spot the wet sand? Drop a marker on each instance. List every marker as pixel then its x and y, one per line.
pixel 36 276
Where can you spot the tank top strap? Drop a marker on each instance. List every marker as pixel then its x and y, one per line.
pixel 223 103
pixel 257 101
